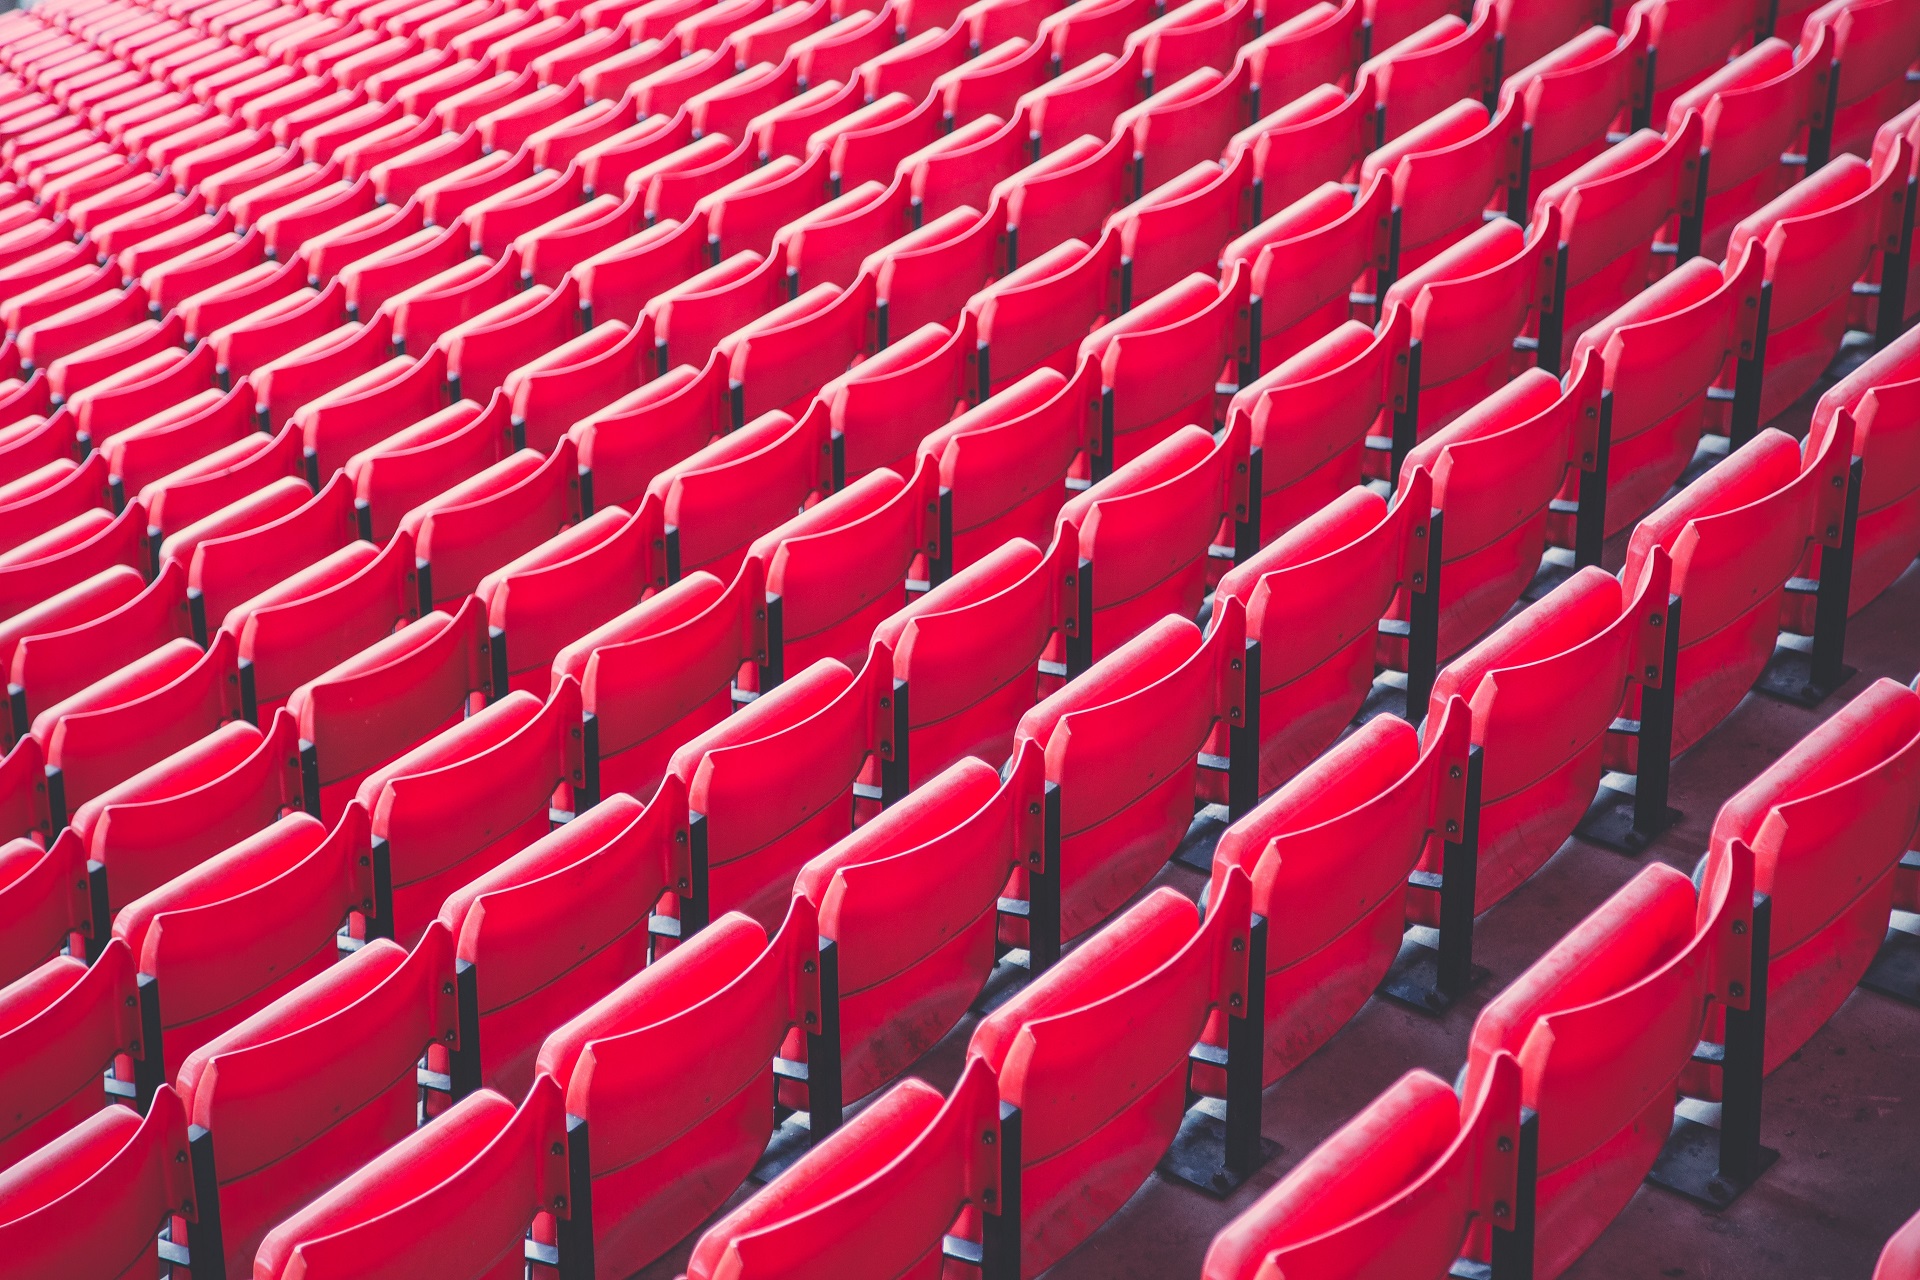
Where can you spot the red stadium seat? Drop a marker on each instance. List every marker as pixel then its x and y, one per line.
pixel 1818 238
pixel 1664 352
pixel 1470 304
pixel 1754 110
pixel 93 1202
pixel 1314 599
pixel 1397 1190
pixel 1304 262
pixel 1612 209
pixel 1085 1148
pixel 521 972
pixel 307 1090
pixel 966 655
pixel 1604 1024
pixel 218 943
pixel 1881 396
pixel 701 630
pixel 386 698
pixel 1496 469
pixel 1145 534
pixel 1428 70
pixel 1544 690
pixel 668 1080
pixel 1383 791
pixel 1875 45
pixel 1828 824
pixel 63 1025
pixel 1113 834
pixel 911 1162
pixel 910 902
pixel 414 1205
pixel 464 801
pixel 1736 535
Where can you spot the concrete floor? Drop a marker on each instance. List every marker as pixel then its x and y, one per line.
pixel 1844 1113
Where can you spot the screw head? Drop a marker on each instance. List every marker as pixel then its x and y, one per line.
pixel 1739 926
pixel 989 1137
pixel 1505 1144
pixel 446 988
pixel 558 1149
pixel 808 967
pixel 1737 988
pixel 1238 944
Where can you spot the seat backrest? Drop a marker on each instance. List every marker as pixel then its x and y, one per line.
pixel 1318 137
pixel 1146 528
pixel 225 571
pixel 1310 48
pixel 1304 261
pixel 623 445
pixel 1828 822
pixel 454 1198
pixel 912 1160
pixel 1574 88
pixel 1735 537
pixel 61 1027
pixel 130 720
pixel 672 1073
pixel 93 1203
pixel 52 665
pixel 466 799
pixel 43 900
pixel 310 1088
pixel 1544 689
pixel 1310 415
pixel 1138 993
pixel 1179 224
pixel 1496 470
pixel 1430 69
pixel 884 406
pixel 296 629
pixel 488 520
pixel 1161 361
pixel 1329 855
pixel 565 587
pixel 723 497
pixel 1603 1025
pixel 223 940
pixel 1188 120
pixel 1004 463
pixel 552 929
pixel 910 899
pixel 1314 599
pixel 1882 400
pixel 394 693
pixel 1470 302
pixel 1818 238
pixel 191 806
pixel 1037 314
pixel 1663 351
pixel 1394 1192
pixel 700 631
pixel 774 782
pixel 1445 172
pixel 1612 208
pixel 969 652
pixel 1126 796
pixel 838 569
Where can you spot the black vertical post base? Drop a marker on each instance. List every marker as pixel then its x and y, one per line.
pixel 1041 911
pixel 1000 1226
pixel 204 1241
pixel 574 1233
pixel 1629 821
pixel 1807 676
pixel 1512 1253
pixel 1431 978
pixel 1219 1145
pixel 1895 971
pixel 1712 1166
